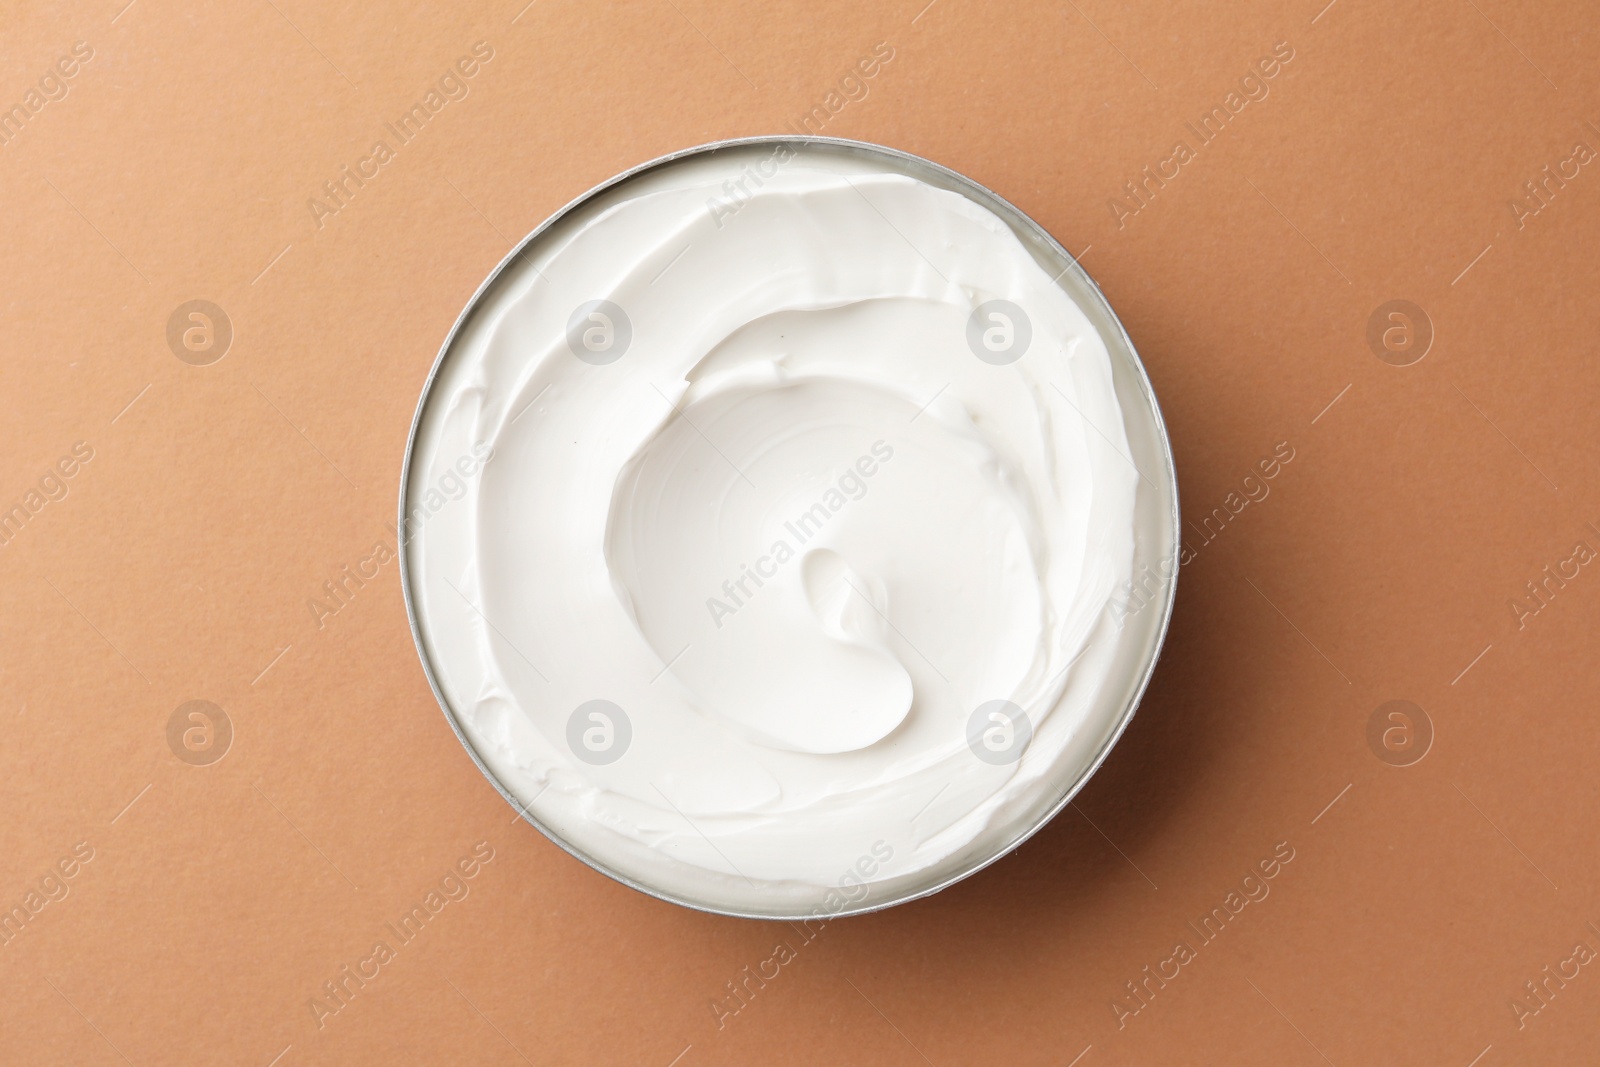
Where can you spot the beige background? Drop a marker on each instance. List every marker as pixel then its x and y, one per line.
pixel 1382 566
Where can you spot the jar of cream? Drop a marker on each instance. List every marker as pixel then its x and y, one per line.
pixel 789 528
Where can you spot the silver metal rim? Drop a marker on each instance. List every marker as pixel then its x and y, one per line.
pixel 1000 206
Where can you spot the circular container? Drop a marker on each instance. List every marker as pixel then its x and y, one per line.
pixel 1157 536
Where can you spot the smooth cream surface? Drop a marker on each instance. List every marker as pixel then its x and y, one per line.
pixel 800 531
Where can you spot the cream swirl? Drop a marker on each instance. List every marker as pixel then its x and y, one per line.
pixel 797 560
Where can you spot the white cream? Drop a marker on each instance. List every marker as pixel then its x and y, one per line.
pixel 797 531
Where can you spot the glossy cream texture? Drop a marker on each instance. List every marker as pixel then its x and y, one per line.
pixel 785 523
